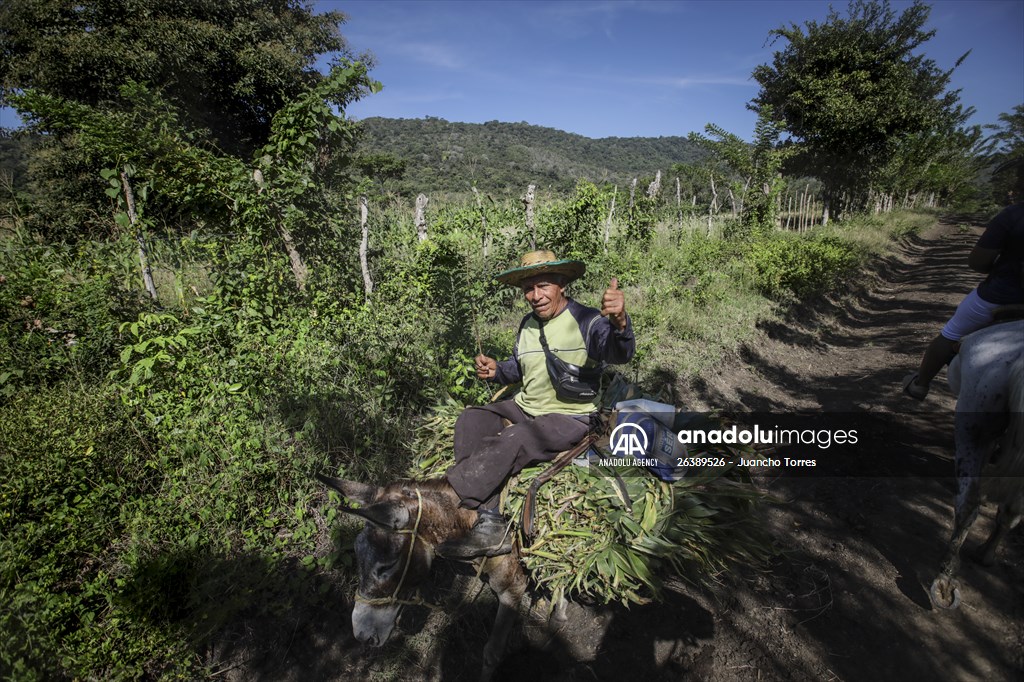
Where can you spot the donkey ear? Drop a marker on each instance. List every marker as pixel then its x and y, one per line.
pixel 390 514
pixel 361 493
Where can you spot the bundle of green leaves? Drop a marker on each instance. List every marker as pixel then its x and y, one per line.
pixel 616 533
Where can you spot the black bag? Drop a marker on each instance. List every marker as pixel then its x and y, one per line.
pixel 572 383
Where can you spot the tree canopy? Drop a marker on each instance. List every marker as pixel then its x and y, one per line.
pixel 228 65
pixel 856 97
pixel 1009 135
pixel 1007 142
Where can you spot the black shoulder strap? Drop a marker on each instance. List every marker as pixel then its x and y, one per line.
pixel 543 339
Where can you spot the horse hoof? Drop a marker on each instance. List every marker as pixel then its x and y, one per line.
pixel 945 594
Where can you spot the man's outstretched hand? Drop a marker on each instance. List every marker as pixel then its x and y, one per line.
pixel 613 305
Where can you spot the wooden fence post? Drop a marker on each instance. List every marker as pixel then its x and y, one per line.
pixel 299 269
pixel 608 223
pixel 714 202
pixel 679 204
pixel 421 218
pixel 655 186
pixel 805 207
pixel 133 219
pixel 364 247
pixel 528 203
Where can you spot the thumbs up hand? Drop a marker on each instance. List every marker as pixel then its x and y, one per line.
pixel 613 305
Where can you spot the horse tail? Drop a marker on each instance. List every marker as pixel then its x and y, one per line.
pixel 1009 469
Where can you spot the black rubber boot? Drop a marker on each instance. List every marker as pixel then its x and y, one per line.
pixel 491 535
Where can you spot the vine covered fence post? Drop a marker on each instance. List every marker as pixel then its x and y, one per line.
pixel 133 219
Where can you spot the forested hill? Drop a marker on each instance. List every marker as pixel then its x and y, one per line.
pixel 506 157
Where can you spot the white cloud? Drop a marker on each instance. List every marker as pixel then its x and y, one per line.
pixel 433 54
pixel 683 82
pixel 419 97
pixel 629 79
pixel 577 19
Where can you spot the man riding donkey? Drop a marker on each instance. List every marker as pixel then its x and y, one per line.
pixel 559 355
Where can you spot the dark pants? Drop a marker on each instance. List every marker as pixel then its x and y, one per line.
pixel 487 452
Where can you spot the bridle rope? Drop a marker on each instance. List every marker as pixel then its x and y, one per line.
pixel 393 599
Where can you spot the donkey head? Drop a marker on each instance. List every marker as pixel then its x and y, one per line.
pixel 392 556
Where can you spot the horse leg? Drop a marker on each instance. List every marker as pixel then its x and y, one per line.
pixel 1008 485
pixel 970 455
pixel 506 578
pixel 945 590
pixel 1008 517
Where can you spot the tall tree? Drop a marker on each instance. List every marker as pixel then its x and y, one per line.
pixel 300 174
pixel 228 65
pixel 1007 142
pixel 1009 135
pixel 851 90
pixel 758 165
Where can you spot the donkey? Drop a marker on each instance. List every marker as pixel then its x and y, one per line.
pixel 987 376
pixel 406 520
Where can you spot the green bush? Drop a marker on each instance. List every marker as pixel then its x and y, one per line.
pixel 786 263
pixel 72 459
pixel 60 308
pixel 573 228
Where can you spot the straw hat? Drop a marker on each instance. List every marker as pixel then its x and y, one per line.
pixel 542 263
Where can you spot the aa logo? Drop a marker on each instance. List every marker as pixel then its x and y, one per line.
pixel 628 440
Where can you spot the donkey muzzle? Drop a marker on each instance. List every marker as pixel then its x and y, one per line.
pixel 372 625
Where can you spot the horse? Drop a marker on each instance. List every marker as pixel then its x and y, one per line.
pixel 406 521
pixel 987 376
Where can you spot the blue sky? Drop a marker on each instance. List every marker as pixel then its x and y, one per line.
pixel 633 68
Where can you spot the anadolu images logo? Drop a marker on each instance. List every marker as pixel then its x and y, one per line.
pixel 628 440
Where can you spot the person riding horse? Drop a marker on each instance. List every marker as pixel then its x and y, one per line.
pixel 559 354
pixel 999 254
